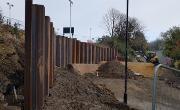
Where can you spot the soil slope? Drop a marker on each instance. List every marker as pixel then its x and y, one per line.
pixel 74 92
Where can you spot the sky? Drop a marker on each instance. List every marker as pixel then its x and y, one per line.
pixel 155 15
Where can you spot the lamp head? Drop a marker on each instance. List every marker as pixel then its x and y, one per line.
pixel 71 1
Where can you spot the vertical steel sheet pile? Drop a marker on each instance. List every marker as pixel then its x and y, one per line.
pixel 38 54
pixel 47 54
pixel 51 55
pixel 28 103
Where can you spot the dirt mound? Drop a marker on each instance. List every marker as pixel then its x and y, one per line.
pixel 74 92
pixel 113 69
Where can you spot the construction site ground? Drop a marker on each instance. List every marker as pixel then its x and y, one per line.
pixel 140 87
pixel 140 93
pixel 72 91
pixel 91 91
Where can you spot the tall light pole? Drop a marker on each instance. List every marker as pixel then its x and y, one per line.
pixel 10 6
pixel 70 1
pixel 90 30
pixel 126 54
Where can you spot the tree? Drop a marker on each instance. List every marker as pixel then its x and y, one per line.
pixel 111 19
pixel 158 44
pixel 172 43
pixel 138 42
pixel 115 23
pixel 1 17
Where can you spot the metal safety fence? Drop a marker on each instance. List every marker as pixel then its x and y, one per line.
pixel 166 88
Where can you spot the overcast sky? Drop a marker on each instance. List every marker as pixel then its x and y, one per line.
pixel 156 15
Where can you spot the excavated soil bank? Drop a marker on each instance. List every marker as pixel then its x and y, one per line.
pixel 113 69
pixel 75 92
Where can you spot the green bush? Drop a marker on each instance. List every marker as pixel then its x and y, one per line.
pixel 177 64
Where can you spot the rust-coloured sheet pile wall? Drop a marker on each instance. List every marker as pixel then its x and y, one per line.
pixel 44 50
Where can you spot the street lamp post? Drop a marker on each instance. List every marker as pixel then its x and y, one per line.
pixel 70 1
pixel 10 6
pixel 90 30
pixel 126 54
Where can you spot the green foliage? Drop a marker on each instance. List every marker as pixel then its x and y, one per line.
pixel 177 64
pixel 138 42
pixel 15 30
pixel 116 42
pixel 1 17
pixel 172 43
pixel 158 44
pixel 115 23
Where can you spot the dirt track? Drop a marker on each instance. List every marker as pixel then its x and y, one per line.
pixel 139 93
pixel 140 88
